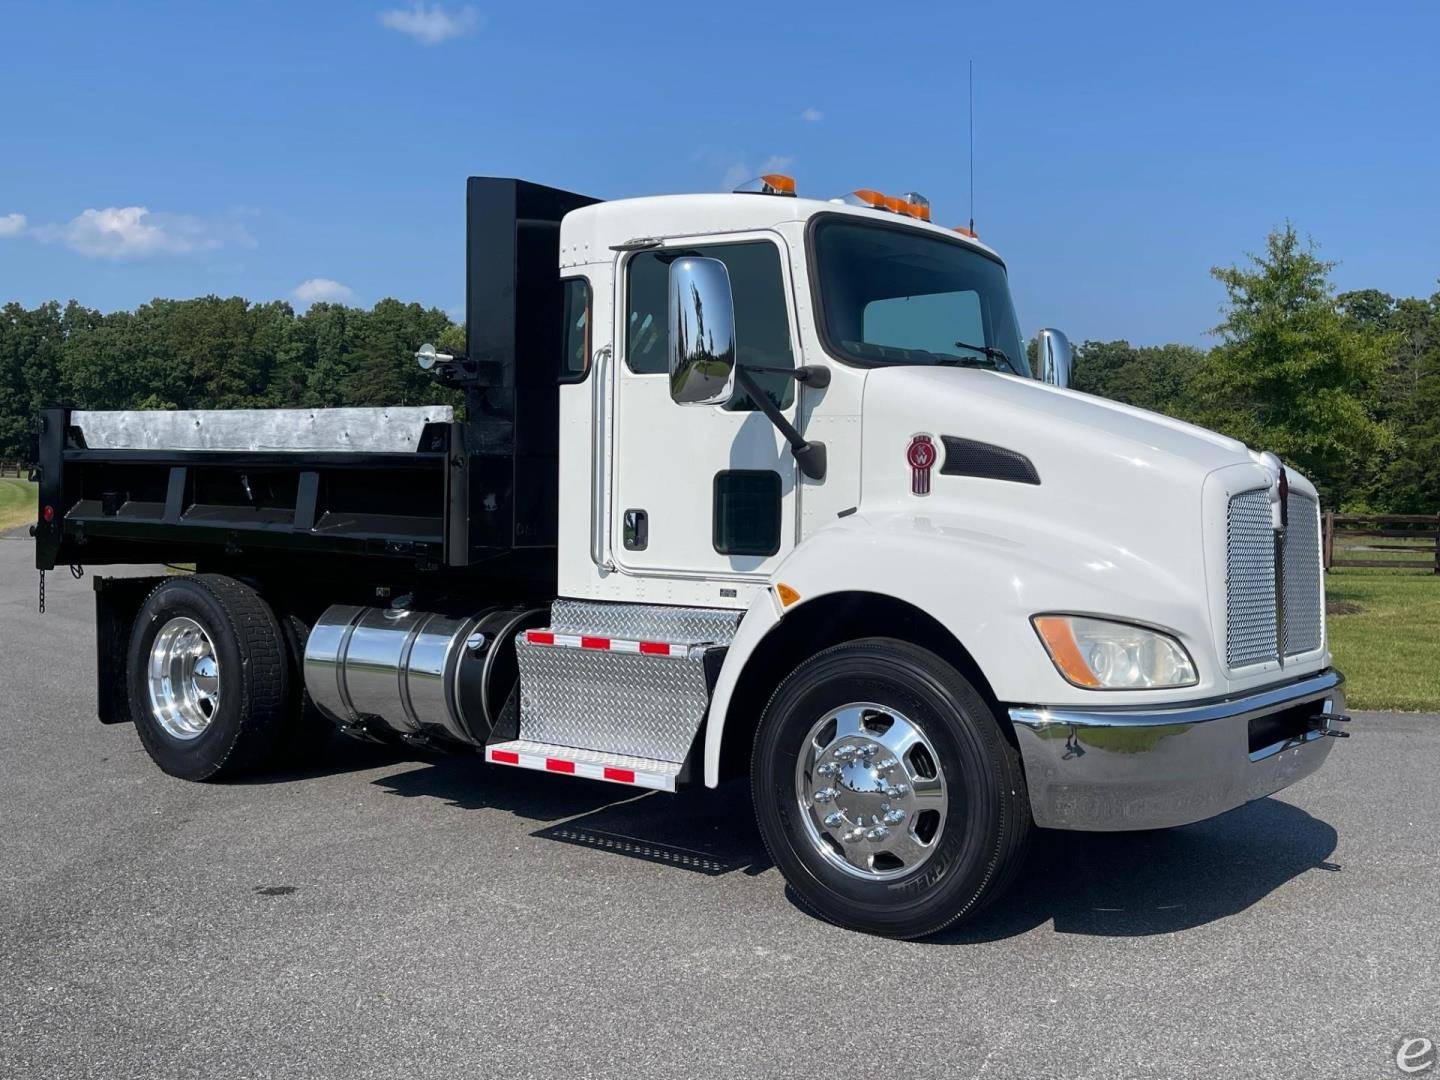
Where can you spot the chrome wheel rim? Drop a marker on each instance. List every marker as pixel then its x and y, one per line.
pixel 871 791
pixel 184 678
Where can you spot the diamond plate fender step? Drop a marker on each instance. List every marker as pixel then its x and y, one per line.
pixel 634 682
pixel 591 764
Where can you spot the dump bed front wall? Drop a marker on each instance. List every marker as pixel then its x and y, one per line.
pixel 513 317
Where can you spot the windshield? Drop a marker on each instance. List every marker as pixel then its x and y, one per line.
pixel 895 295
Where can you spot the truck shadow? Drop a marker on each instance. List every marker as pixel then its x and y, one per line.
pixel 701 831
pixel 1099 884
pixel 1159 882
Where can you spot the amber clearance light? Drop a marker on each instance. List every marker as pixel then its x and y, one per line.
pixel 911 204
pixel 769 184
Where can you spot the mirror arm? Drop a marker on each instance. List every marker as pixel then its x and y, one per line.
pixel 816 375
pixel 809 456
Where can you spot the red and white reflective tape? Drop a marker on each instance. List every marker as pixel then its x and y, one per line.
pixel 525 759
pixel 606 644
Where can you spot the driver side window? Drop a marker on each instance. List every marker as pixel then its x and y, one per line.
pixel 762 320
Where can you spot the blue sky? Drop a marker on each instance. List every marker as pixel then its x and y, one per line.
pixel 1122 149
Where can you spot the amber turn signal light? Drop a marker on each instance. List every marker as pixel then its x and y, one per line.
pixel 1060 643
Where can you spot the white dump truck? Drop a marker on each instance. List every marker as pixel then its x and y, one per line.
pixel 744 484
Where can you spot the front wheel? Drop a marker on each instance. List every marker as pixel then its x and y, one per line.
pixel 885 790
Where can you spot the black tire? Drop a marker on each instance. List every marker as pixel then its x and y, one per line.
pixel 249 650
pixel 981 844
pixel 307 733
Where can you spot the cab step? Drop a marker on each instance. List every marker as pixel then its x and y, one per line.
pixel 591 764
pixel 629 681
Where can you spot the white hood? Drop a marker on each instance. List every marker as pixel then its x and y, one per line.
pixel 1049 421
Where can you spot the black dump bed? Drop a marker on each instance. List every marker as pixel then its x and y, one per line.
pixel 415 483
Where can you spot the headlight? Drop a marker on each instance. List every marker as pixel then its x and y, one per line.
pixel 1098 654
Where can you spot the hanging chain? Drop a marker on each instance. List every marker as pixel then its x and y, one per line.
pixel 77 571
pixel 42 592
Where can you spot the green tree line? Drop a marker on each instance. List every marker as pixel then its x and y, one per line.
pixel 212 353
pixel 1346 386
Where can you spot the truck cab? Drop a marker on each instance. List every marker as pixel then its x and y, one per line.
pixel 758 484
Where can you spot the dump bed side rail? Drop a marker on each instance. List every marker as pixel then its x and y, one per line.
pixel 384 481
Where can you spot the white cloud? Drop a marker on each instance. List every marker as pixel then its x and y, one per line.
pixel 323 290
pixel 736 175
pixel 812 115
pixel 432 24
pixel 12 224
pixel 133 232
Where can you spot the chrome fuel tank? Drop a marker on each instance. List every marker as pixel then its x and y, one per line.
pixel 417 671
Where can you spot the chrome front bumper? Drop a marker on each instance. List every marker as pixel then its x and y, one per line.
pixel 1109 769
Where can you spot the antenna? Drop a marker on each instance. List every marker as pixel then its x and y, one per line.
pixel 972 145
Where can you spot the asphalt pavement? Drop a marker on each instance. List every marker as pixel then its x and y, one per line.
pixel 397 917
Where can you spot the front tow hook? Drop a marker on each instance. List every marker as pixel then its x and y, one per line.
pixel 1322 724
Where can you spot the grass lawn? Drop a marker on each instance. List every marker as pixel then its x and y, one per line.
pixel 1390 649
pixel 17 502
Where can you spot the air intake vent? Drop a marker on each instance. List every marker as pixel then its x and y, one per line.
pixel 966 457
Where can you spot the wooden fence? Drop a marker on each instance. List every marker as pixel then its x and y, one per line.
pixel 1384 541
pixel 14 468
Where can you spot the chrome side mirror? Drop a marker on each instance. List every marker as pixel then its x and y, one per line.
pixel 702 332
pixel 1054 356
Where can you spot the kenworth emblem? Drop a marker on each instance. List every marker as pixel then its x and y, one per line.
pixel 921 456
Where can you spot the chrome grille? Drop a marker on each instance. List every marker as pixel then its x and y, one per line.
pixel 1303 597
pixel 1250 623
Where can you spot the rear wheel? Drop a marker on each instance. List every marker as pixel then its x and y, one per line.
pixel 885 790
pixel 209 677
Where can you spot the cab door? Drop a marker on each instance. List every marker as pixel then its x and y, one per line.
pixel 706 491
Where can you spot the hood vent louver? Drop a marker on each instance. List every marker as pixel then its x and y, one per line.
pixel 966 457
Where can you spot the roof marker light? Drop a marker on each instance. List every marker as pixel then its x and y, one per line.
pixel 866 197
pixel 769 184
pixel 916 205
pixel 911 204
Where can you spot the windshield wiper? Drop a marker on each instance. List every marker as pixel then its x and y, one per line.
pixel 996 356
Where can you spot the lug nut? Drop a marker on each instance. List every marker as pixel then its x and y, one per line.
pixel 828 769
pixel 879 832
pixel 847 753
pixel 894 817
pixel 835 820
pixel 868 751
pixel 895 791
pixel 853 835
pixel 885 764
pixel 825 795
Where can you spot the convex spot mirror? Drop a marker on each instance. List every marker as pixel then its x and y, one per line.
pixel 1055 361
